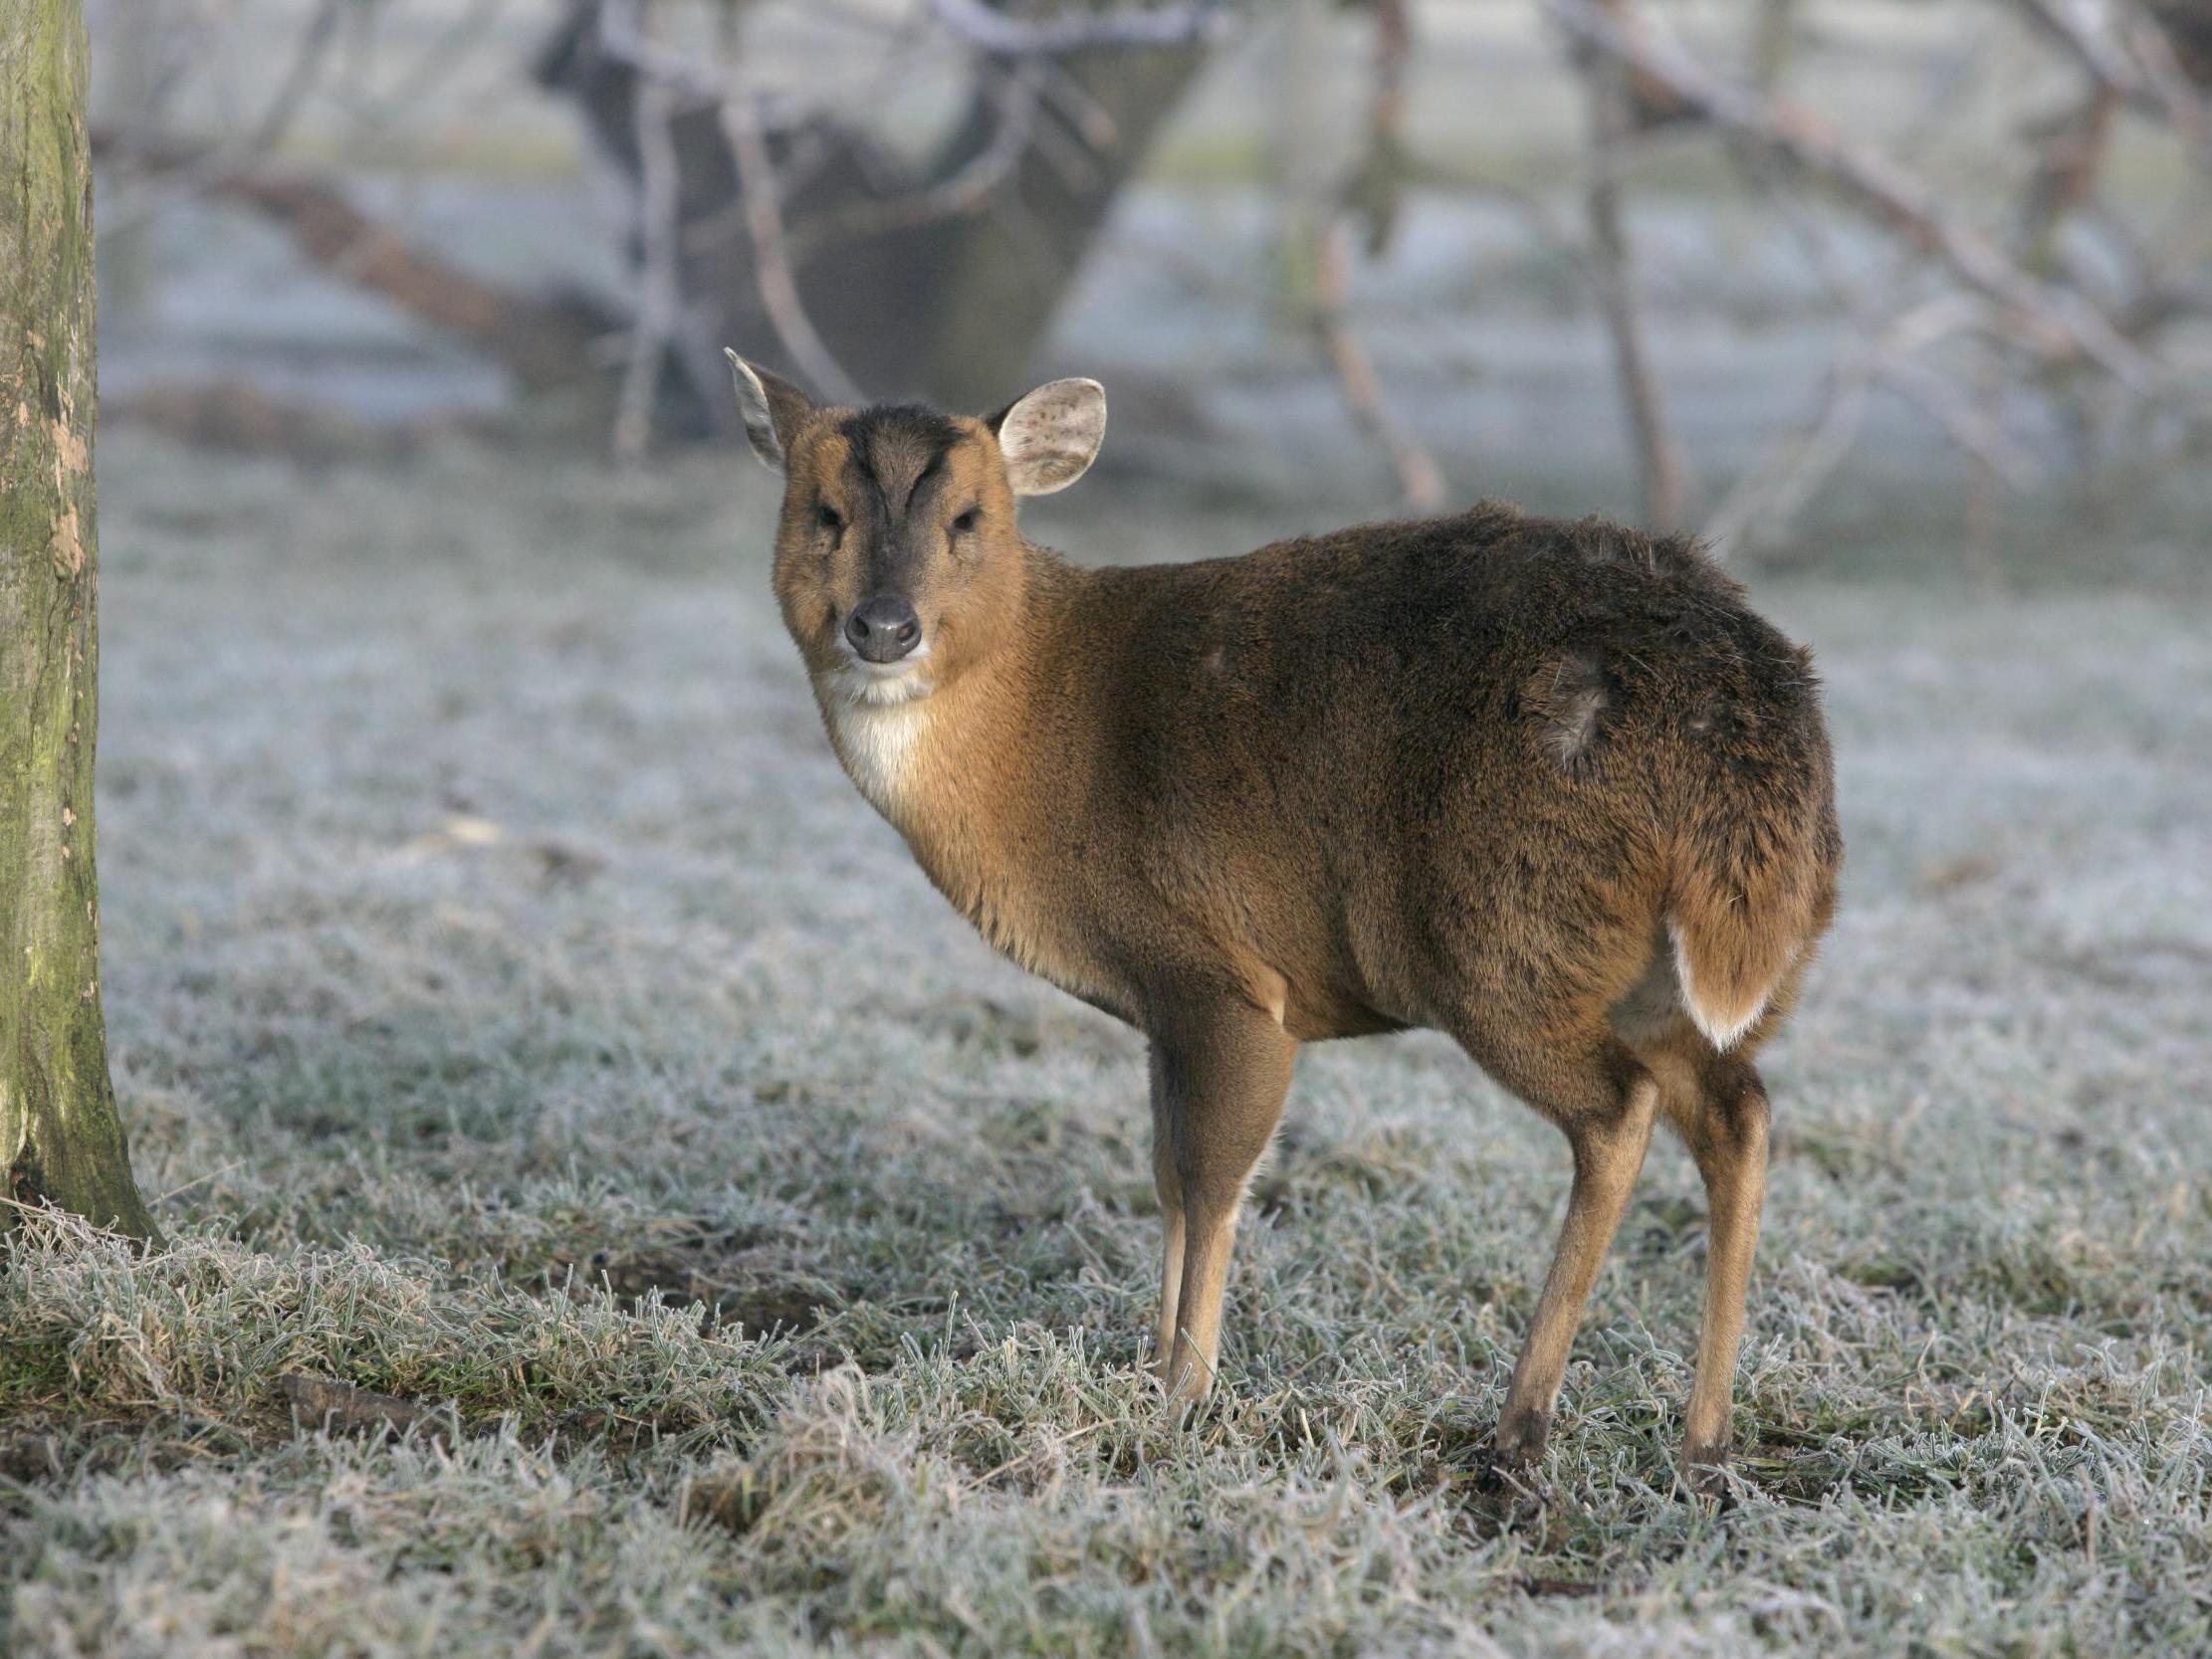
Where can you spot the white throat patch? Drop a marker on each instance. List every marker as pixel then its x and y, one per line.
pixel 876 724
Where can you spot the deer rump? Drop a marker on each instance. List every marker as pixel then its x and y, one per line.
pixel 1561 733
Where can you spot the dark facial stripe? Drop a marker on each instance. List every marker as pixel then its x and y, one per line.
pixel 900 438
pixel 896 450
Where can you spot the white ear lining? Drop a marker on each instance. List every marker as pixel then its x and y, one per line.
pixel 1051 436
pixel 753 409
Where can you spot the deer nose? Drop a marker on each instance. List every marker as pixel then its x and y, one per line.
pixel 883 629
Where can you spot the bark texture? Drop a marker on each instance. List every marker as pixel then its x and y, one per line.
pixel 60 1135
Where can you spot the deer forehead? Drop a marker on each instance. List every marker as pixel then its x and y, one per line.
pixel 895 460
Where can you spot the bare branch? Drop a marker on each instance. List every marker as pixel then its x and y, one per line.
pixel 659 288
pixel 1775 489
pixel 986 29
pixel 1376 191
pixel 1974 427
pixel 1971 426
pixel 760 194
pixel 618 36
pixel 1771 35
pixel 1658 453
pixel 292 91
pixel 439 60
pixel 539 339
pixel 2099 37
pixel 1086 117
pixel 967 190
pixel 2058 322
pixel 1418 480
pixel 1771 495
pixel 268 131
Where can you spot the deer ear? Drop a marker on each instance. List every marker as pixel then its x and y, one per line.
pixel 1051 436
pixel 773 410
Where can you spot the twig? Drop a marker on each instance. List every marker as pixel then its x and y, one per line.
pixel 538 340
pixel 1771 35
pixel 1067 150
pixel 1983 513
pixel 1377 188
pixel 1318 237
pixel 197 1180
pixel 967 190
pixel 209 164
pixel 2061 324
pixel 659 292
pixel 1974 428
pixel 1418 480
pixel 1072 101
pixel 1658 453
pixel 2150 33
pixel 438 61
pixel 2065 175
pixel 315 43
pixel 757 191
pixel 2099 38
pixel 617 35
pixel 1775 489
pixel 1394 52
pixel 1777 486
pixel 986 29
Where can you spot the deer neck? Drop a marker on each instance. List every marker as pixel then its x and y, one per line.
pixel 967 772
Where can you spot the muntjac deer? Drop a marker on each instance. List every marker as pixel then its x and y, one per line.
pixel 1550 788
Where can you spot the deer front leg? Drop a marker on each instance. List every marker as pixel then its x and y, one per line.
pixel 1220 1073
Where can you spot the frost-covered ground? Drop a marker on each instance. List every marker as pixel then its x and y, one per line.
pixel 514 1007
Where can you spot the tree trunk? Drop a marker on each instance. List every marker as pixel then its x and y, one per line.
pixel 60 1137
pixel 1001 274
pixel 952 309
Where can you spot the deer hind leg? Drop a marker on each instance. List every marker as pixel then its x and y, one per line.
pixel 1166 1181
pixel 1720 1105
pixel 1605 1103
pixel 1219 1077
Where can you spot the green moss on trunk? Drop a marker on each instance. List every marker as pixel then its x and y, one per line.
pixel 60 1135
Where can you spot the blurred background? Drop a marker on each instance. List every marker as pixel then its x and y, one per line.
pixel 512 1001
pixel 1805 275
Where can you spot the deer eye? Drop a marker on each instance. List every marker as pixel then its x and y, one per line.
pixel 829 518
pixel 966 520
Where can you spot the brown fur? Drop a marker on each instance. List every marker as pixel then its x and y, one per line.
pixel 1508 778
